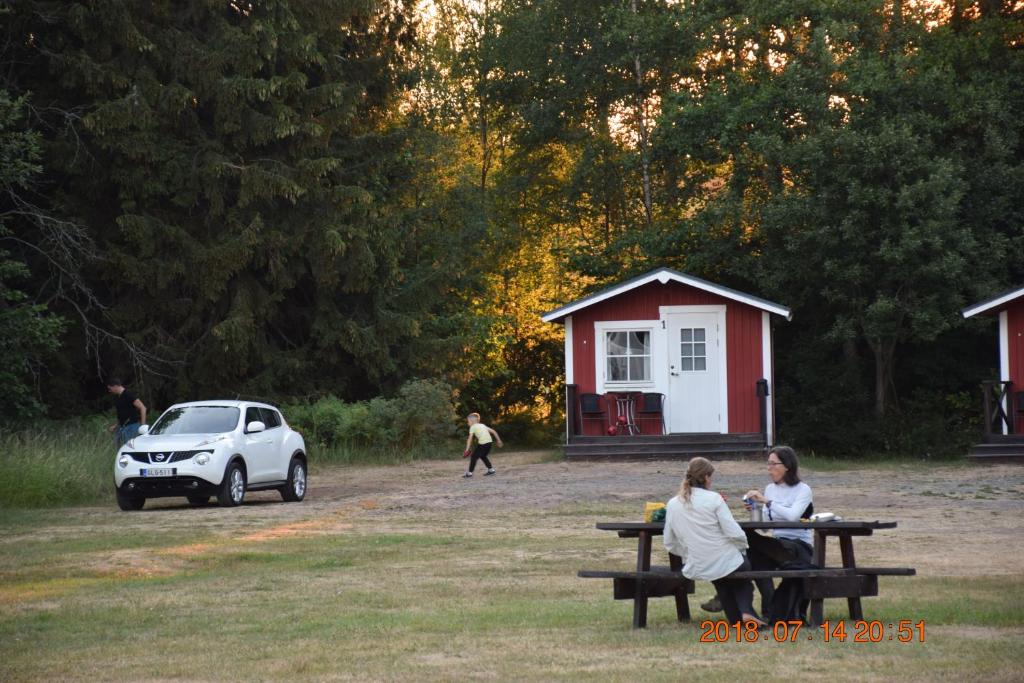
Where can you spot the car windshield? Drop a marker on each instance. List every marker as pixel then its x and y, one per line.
pixel 196 420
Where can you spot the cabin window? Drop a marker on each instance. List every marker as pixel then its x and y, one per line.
pixel 693 354
pixel 628 356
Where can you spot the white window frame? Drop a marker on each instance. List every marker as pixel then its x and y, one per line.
pixel 601 330
pixel 693 357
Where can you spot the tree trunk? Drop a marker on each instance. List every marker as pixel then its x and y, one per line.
pixel 885 356
pixel 641 119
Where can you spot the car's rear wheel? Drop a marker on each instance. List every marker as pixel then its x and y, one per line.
pixel 198 500
pixel 128 503
pixel 295 489
pixel 232 489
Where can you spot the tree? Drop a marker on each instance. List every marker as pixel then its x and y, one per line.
pixel 28 333
pixel 244 171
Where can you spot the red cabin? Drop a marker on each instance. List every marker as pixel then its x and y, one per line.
pixel 1004 398
pixel 668 359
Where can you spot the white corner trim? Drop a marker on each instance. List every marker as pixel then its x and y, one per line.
pixel 768 374
pixel 568 349
pixel 1004 354
pixel 663 276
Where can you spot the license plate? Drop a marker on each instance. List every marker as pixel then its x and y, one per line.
pixel 158 472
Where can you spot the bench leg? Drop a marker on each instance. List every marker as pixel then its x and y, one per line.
pixel 640 606
pixel 643 563
pixel 682 605
pixel 817 613
pixel 675 563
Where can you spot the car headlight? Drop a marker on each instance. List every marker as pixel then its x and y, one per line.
pixel 202 458
pixel 123 461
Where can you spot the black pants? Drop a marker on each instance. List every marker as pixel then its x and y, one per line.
pixel 480 453
pixel 736 595
pixel 767 552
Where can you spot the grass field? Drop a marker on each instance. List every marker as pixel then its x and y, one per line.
pixel 409 573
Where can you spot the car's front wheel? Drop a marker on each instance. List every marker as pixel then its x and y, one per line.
pixel 128 503
pixel 232 489
pixel 295 489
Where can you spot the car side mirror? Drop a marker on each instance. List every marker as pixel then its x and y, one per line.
pixel 143 429
pixel 255 426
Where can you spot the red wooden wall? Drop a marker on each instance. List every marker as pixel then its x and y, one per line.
pixel 743 341
pixel 1015 349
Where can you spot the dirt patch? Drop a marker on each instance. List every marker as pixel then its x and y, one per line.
pixel 953 520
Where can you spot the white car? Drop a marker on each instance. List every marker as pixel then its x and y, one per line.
pixel 212 448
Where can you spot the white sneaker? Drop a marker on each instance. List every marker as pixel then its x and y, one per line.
pixel 489 472
pixel 467 475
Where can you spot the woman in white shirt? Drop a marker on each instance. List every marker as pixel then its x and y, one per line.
pixel 785 499
pixel 700 529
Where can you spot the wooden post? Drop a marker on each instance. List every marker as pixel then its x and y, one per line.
pixel 988 410
pixel 762 399
pixel 675 563
pixel 846 550
pixel 572 427
pixel 643 564
pixel 818 604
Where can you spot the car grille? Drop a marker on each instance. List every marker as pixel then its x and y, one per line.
pixel 171 456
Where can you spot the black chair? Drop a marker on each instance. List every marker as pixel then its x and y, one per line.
pixel 652 407
pixel 592 408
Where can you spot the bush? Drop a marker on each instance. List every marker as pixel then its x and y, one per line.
pixel 421 415
pixel 55 464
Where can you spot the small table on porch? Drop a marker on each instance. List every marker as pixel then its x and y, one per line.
pixel 625 407
pixel 861 581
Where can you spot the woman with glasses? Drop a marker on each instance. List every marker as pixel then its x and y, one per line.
pixel 785 499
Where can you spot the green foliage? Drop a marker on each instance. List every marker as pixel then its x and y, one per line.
pixel 28 333
pixel 421 415
pixel 256 197
pixel 54 464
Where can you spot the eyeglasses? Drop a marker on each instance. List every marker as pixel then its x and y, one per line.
pixel 772 463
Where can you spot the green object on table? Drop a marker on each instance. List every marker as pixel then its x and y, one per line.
pixel 658 515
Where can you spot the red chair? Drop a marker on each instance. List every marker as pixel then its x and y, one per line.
pixel 652 407
pixel 592 407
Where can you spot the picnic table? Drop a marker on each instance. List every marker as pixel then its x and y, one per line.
pixel 849 580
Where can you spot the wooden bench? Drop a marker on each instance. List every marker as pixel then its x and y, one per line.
pixel 657 582
pixel 849 581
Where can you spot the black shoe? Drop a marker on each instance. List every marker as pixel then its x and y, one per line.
pixel 712 605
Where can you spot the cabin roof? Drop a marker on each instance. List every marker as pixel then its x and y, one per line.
pixel 666 275
pixel 995 302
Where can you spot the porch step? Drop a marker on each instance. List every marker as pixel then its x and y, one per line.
pixel 708 438
pixel 668 447
pixel 1003 452
pixel 1005 439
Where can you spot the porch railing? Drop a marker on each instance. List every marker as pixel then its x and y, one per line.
pixel 999 407
pixel 572 426
pixel 762 401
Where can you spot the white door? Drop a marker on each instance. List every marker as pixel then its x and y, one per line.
pixel 259 449
pixel 695 372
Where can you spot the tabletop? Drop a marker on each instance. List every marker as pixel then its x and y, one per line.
pixel 659 527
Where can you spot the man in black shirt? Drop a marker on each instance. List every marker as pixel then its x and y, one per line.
pixel 131 412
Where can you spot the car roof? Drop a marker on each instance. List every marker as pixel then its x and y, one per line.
pixel 225 404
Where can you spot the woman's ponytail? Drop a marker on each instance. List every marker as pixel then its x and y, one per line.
pixel 697 474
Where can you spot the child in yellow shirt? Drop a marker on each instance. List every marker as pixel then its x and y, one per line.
pixel 483 435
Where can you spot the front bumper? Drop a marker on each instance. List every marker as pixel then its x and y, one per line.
pixel 158 487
